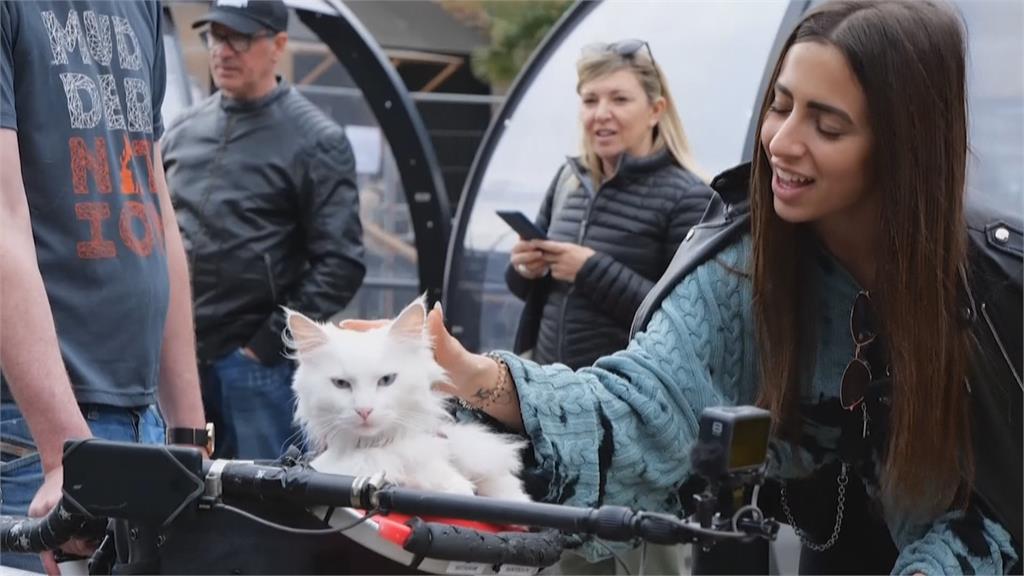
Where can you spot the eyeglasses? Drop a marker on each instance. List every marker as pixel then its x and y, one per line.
pixel 238 42
pixel 857 376
pixel 626 48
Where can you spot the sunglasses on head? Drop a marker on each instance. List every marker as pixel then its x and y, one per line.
pixel 626 48
pixel 857 376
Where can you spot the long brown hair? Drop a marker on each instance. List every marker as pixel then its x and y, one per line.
pixel 909 59
pixel 668 133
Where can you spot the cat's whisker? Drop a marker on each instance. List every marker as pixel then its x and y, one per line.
pixel 297 435
pixel 322 432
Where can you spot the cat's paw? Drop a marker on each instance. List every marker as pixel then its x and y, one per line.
pixel 513 495
pixel 504 486
pixel 459 486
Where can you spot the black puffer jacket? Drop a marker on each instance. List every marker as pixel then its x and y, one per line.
pixel 634 222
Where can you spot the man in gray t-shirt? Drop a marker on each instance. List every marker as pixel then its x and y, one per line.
pixel 96 322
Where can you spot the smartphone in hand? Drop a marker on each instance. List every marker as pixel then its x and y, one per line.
pixel 522 225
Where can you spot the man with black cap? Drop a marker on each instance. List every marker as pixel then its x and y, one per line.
pixel 265 194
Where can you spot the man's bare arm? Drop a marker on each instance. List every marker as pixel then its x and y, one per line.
pixel 29 352
pixel 180 399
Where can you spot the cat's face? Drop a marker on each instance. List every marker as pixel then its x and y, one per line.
pixel 352 384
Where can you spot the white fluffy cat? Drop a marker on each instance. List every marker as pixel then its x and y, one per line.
pixel 366 402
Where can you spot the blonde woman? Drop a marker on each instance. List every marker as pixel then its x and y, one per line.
pixel 614 216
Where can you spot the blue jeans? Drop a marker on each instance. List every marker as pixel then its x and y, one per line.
pixel 250 405
pixel 21 473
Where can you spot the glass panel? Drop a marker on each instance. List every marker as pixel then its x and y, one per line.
pixel 178 93
pixel 995 96
pixel 713 54
pixel 995 75
pixel 392 278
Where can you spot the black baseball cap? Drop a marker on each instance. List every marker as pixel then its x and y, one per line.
pixel 247 16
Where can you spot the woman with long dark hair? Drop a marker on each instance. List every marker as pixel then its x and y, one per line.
pixel 846 307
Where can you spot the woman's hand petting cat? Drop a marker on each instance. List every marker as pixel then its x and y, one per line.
pixel 449 353
pixel 467 371
pixel 564 258
pixel 464 368
pixel 473 377
pixel 362 325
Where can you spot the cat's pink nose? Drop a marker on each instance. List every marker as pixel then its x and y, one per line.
pixel 364 413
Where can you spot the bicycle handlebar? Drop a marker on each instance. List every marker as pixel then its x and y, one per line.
pixel 303 486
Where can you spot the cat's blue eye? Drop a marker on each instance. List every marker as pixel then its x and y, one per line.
pixel 386 380
pixel 341 383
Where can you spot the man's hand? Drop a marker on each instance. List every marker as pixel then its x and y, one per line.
pixel 564 258
pixel 29 351
pixel 45 499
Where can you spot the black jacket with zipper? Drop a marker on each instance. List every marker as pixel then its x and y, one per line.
pixel 266 199
pixel 634 222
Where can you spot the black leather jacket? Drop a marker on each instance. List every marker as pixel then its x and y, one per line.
pixel 993 309
pixel 266 199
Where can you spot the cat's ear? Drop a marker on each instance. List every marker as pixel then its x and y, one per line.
pixel 303 335
pixel 410 323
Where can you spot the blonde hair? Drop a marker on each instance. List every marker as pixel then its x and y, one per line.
pixel 668 133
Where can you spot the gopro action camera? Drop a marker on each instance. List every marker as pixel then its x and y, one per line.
pixel 733 440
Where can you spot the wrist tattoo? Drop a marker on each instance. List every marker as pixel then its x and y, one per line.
pixel 501 393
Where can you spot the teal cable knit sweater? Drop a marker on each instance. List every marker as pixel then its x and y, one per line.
pixel 699 350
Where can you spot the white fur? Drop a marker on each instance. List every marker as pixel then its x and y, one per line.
pixel 408 434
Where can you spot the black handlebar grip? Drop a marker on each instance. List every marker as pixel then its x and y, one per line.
pixel 296 484
pixel 20 534
pixel 446 542
pixel 658 528
pixel 614 523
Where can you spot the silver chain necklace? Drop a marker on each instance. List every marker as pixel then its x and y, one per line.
pixel 840 505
